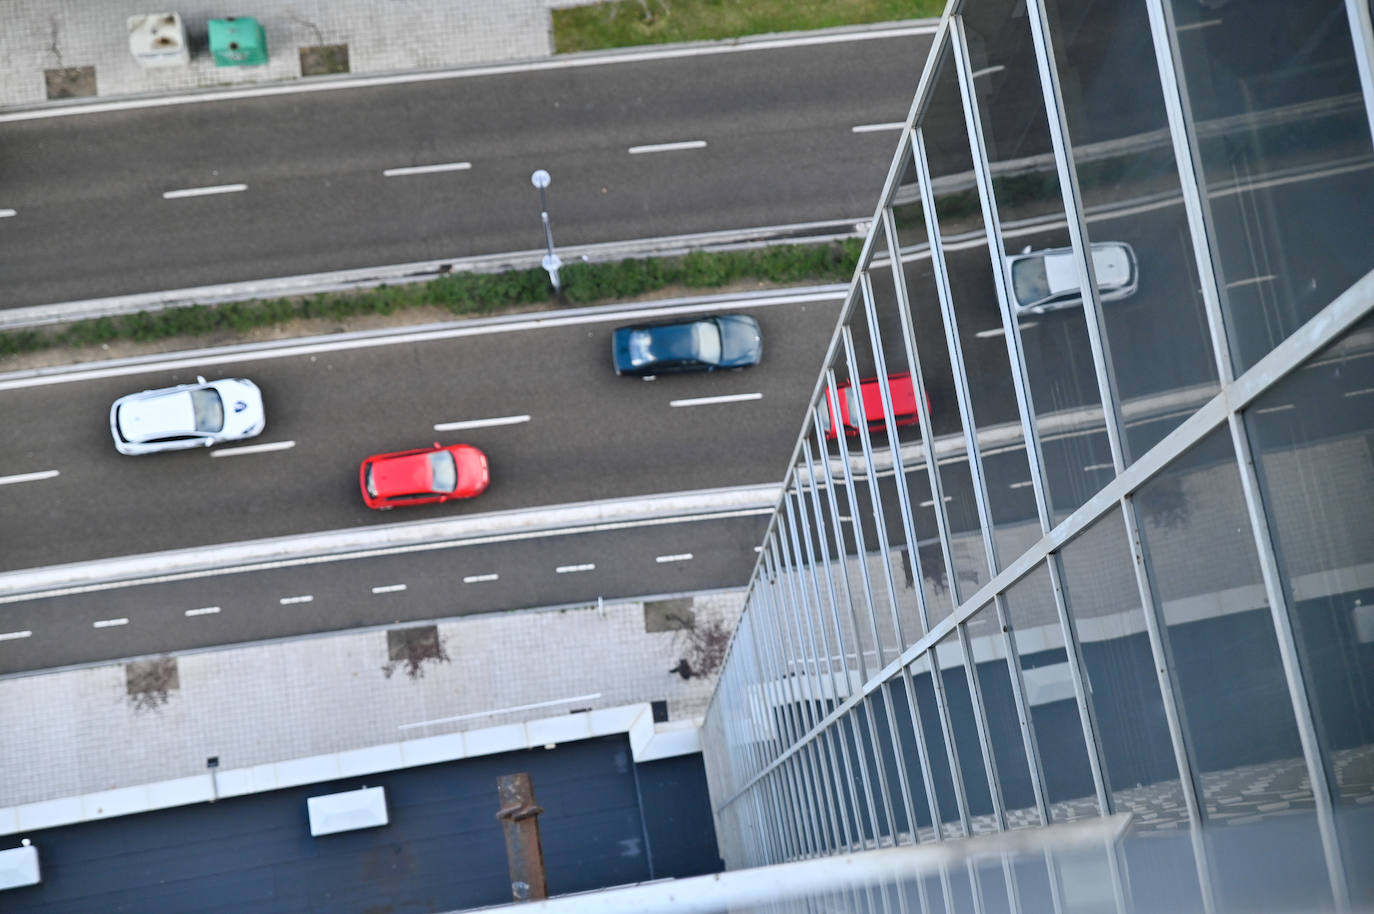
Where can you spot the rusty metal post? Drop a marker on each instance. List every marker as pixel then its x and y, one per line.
pixel 519 820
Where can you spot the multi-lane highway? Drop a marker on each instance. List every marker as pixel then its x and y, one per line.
pixel 538 396
pixel 187 195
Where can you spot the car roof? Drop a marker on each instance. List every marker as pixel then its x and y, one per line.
pixel 167 413
pixel 673 341
pixel 407 474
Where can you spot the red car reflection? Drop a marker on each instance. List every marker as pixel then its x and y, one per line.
pixel 423 476
pixel 867 402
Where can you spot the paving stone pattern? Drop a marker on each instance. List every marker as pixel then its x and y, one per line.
pixel 397 35
pixel 78 732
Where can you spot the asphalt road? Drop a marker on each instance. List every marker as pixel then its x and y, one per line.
pixel 590 435
pixel 92 220
pixel 299 600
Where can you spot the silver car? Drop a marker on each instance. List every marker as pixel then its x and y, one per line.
pixel 187 416
pixel 1048 280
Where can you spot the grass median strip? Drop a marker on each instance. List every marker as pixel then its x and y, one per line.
pixel 624 23
pixel 461 294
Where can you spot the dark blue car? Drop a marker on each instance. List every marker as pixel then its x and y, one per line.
pixel 690 344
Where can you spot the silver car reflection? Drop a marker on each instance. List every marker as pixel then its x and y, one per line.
pixel 1048 280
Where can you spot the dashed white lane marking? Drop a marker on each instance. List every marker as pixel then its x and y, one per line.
pixel 304 598
pixel 1205 23
pixel 6 213
pixel 1090 467
pixel 109 623
pixel 667 147
pixel 1282 407
pixel 13 636
pixel 988 71
pixel 480 578
pixel 426 169
pixel 1358 393
pixel 570 569
pixel 389 588
pixel 1250 281
pixel 480 423
pixel 253 449
pixel 679 557
pixel 728 398
pixel 204 191
pixel 203 611
pixel 1025 483
pixel 930 503
pixel 878 128
pixel 28 477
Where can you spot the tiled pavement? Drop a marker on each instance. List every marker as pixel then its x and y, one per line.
pixel 398 35
pixel 69 733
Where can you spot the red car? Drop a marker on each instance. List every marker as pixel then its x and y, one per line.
pixel 423 476
pixel 903 404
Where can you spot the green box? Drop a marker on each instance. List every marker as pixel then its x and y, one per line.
pixel 238 42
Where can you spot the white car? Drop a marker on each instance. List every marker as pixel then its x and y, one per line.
pixel 1048 280
pixel 191 415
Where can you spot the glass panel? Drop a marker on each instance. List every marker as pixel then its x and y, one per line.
pixel 987 642
pixel 964 729
pixel 929 715
pixel 1313 436
pixel 1104 602
pixel 1230 680
pixel 1147 279
pixel 956 199
pixel 1030 208
pixel 1285 149
pixel 1048 686
pixel 911 754
pixel 876 635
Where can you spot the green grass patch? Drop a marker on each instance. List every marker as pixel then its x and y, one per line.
pixel 463 294
pixel 623 23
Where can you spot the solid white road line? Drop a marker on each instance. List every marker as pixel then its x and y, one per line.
pixel 389 588
pixel 480 423
pixel 426 169
pixel 203 611
pixel 480 578
pixel 680 557
pixel 667 147
pixel 6 213
pixel 878 128
pixel 253 449
pixel 109 623
pixel 529 707
pixel 570 569
pixel 704 401
pixel 12 636
pixel 204 191
pixel 458 330
pixel 304 598
pixel 28 477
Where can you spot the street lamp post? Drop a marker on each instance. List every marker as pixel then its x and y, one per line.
pixel 551 263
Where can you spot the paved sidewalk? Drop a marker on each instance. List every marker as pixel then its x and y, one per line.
pixel 79 732
pixel 389 36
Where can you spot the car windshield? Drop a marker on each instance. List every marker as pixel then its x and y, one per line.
pixel 208 409
pixel 706 341
pixel 367 480
pixel 444 470
pixel 1029 281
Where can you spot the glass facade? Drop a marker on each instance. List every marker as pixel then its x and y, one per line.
pixel 1096 536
